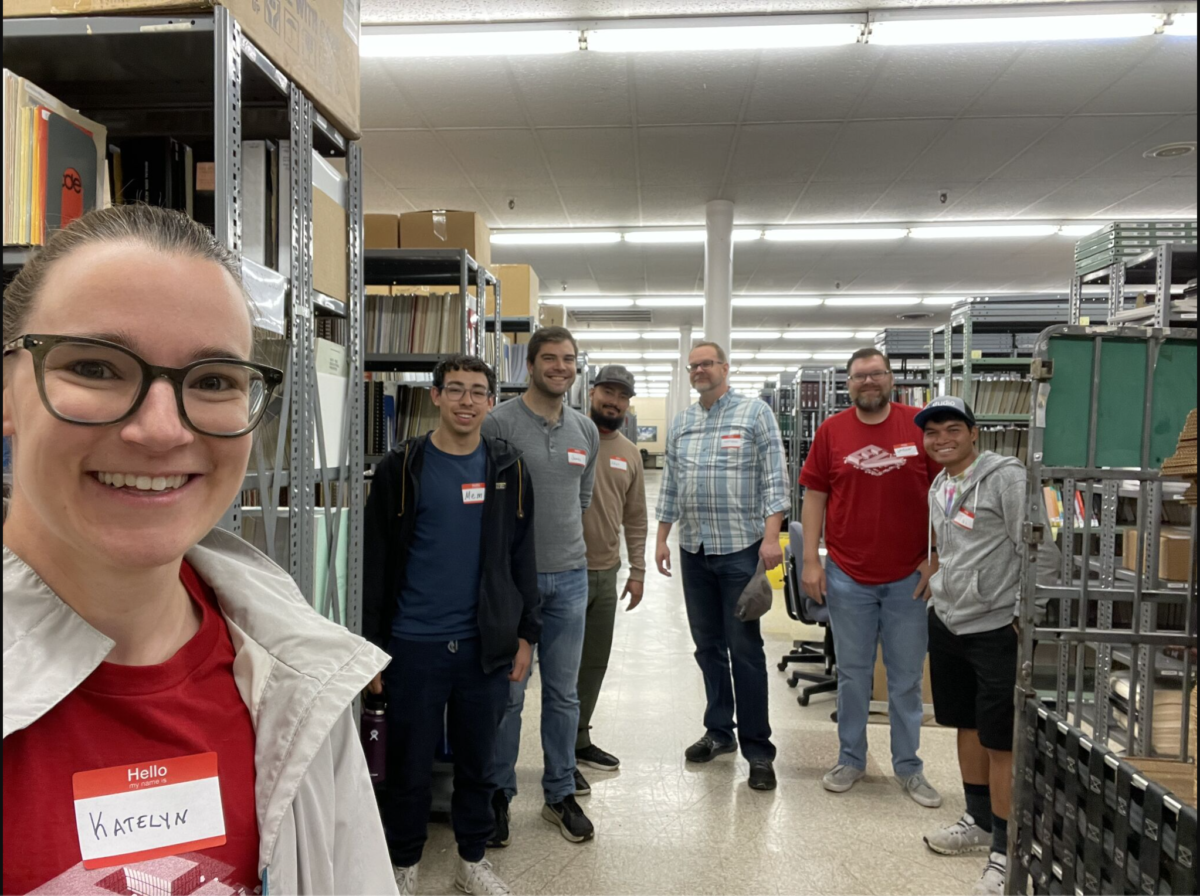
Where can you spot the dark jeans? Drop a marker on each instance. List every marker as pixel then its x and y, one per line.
pixel 712 584
pixel 423 679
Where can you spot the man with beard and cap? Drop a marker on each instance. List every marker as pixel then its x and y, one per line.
pixel 559 445
pixel 619 498
pixel 866 483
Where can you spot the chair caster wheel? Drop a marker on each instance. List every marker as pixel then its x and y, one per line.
pixel 802 699
pixel 833 716
pixel 782 667
pixel 792 682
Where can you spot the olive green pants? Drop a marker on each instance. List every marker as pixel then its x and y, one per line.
pixel 597 645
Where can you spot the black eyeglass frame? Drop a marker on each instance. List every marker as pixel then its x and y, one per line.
pixel 39 345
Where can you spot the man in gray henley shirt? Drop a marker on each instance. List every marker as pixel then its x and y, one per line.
pixel 560 446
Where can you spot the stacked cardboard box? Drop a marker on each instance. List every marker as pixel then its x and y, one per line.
pixel 1183 463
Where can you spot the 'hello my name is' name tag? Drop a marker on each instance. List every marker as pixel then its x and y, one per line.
pixel 473 492
pixel 135 813
pixel 908 449
pixel 618 463
pixel 733 441
pixel 965 519
pixel 576 457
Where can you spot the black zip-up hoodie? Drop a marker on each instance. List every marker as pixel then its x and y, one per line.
pixel 510 606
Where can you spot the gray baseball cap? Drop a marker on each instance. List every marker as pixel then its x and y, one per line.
pixel 946 404
pixel 615 375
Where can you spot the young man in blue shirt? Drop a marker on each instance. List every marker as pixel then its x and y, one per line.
pixel 450 591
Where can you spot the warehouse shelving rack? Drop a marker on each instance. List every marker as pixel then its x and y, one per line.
pixel 508 325
pixel 1109 406
pixel 1161 268
pixel 196 77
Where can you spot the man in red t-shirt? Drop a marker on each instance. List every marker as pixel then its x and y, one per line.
pixel 867 483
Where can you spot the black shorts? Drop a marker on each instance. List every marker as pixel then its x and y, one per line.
pixel 974 679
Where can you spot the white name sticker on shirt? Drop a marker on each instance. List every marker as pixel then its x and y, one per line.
pixel 577 457
pixel 473 492
pixel 908 449
pixel 733 441
pixel 135 813
pixel 618 463
pixel 965 519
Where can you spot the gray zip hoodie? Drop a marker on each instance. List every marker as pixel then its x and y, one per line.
pixel 978 583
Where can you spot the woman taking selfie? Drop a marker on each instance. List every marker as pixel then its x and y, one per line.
pixel 176 717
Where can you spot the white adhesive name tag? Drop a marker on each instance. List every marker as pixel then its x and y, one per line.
pixel 618 463
pixel 965 519
pixel 733 441
pixel 473 492
pixel 135 813
pixel 576 457
pixel 908 449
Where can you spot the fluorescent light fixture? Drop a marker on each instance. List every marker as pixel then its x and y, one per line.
pixel 614 356
pixel 982 231
pixel 763 368
pixel 661 356
pixel 664 236
pixel 385 42
pixel 830 356
pixel 659 368
pixel 591 335
pixel 872 301
pixel 671 302
pixel 594 302
pixel 941 300
pixel 644 37
pixel 911 31
pixel 754 334
pixel 555 237
pixel 866 334
pixel 656 378
pixel 745 235
pixel 633 368
pixel 1079 229
pixel 834 234
pixel 776 302
pixel 818 334
pixel 741 356
pixel 665 335
pixel 783 356
pixel 1183 24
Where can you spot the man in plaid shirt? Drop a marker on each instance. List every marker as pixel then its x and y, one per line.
pixel 726 485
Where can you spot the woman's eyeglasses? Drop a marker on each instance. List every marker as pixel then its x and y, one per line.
pixel 96 383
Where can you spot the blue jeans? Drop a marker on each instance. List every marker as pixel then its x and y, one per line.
pixel 564 611
pixel 712 584
pixel 862 616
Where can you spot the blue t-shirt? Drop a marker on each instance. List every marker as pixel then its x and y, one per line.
pixel 440 597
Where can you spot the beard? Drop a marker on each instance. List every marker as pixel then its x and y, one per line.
pixel 871 402
pixel 603 421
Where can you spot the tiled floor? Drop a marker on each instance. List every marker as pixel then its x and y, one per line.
pixel 665 826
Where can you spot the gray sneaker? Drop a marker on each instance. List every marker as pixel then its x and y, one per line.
pixel 841 778
pixel 920 790
pixel 479 879
pixel 962 837
pixel 406 879
pixel 991 882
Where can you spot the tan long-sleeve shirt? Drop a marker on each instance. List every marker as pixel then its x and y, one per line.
pixel 618 498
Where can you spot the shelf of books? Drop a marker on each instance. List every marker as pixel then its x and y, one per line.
pixel 422 305
pixel 190 114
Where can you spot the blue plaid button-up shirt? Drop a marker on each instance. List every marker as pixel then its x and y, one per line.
pixel 725 474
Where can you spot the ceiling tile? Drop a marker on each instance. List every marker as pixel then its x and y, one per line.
pixel 1154 84
pixel 380 196
pixel 383 106
pixel 933 82
pixel 574 90
pixel 879 150
pixel 818 84
pixel 597 205
pixel 498 159
pixel 411 159
pixel 590 156
pixel 1081 143
pixel 913 201
pixel 1131 161
pixel 691 88
pixel 1172 196
pixel 680 155
pixel 972 148
pixel 995 199
pixel 826 202
pixel 534 207
pixel 463 199
pixel 454 92
pixel 780 153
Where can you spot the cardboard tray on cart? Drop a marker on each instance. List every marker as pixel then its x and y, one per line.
pixel 315 43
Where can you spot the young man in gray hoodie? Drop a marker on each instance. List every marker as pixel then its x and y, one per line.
pixel 976 508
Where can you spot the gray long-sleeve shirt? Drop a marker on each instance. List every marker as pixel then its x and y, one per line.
pixel 562 463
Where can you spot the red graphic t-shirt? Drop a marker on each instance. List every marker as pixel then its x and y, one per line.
pixel 877 478
pixel 132 714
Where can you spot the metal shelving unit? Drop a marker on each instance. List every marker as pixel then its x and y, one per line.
pixel 1160 268
pixel 197 78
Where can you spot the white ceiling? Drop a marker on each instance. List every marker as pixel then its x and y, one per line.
pixel 848 134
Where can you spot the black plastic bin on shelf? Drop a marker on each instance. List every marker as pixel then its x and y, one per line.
pixel 1096 824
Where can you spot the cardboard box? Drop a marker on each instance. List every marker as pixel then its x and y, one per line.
pixel 519 287
pixel 879 684
pixel 1174 552
pixel 381 231
pixel 552 315
pixel 446 229
pixel 314 42
pixel 330 269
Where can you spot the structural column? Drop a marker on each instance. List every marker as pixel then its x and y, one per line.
pixel 718 272
pixel 681 388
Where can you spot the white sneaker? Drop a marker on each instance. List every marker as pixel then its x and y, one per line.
pixel 841 778
pixel 920 790
pixel 991 882
pixel 406 879
pixel 961 837
pixel 479 879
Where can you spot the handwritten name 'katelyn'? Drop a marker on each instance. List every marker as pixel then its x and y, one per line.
pixel 133 823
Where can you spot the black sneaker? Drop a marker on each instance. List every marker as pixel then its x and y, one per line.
pixel 762 774
pixel 570 820
pixel 500 836
pixel 582 787
pixel 706 748
pixel 593 757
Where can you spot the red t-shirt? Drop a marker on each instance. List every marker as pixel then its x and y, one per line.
pixel 130 714
pixel 877 478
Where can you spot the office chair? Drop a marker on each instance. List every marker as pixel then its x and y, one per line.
pixel 803 609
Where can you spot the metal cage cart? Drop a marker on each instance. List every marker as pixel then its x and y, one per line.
pixel 1087 815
